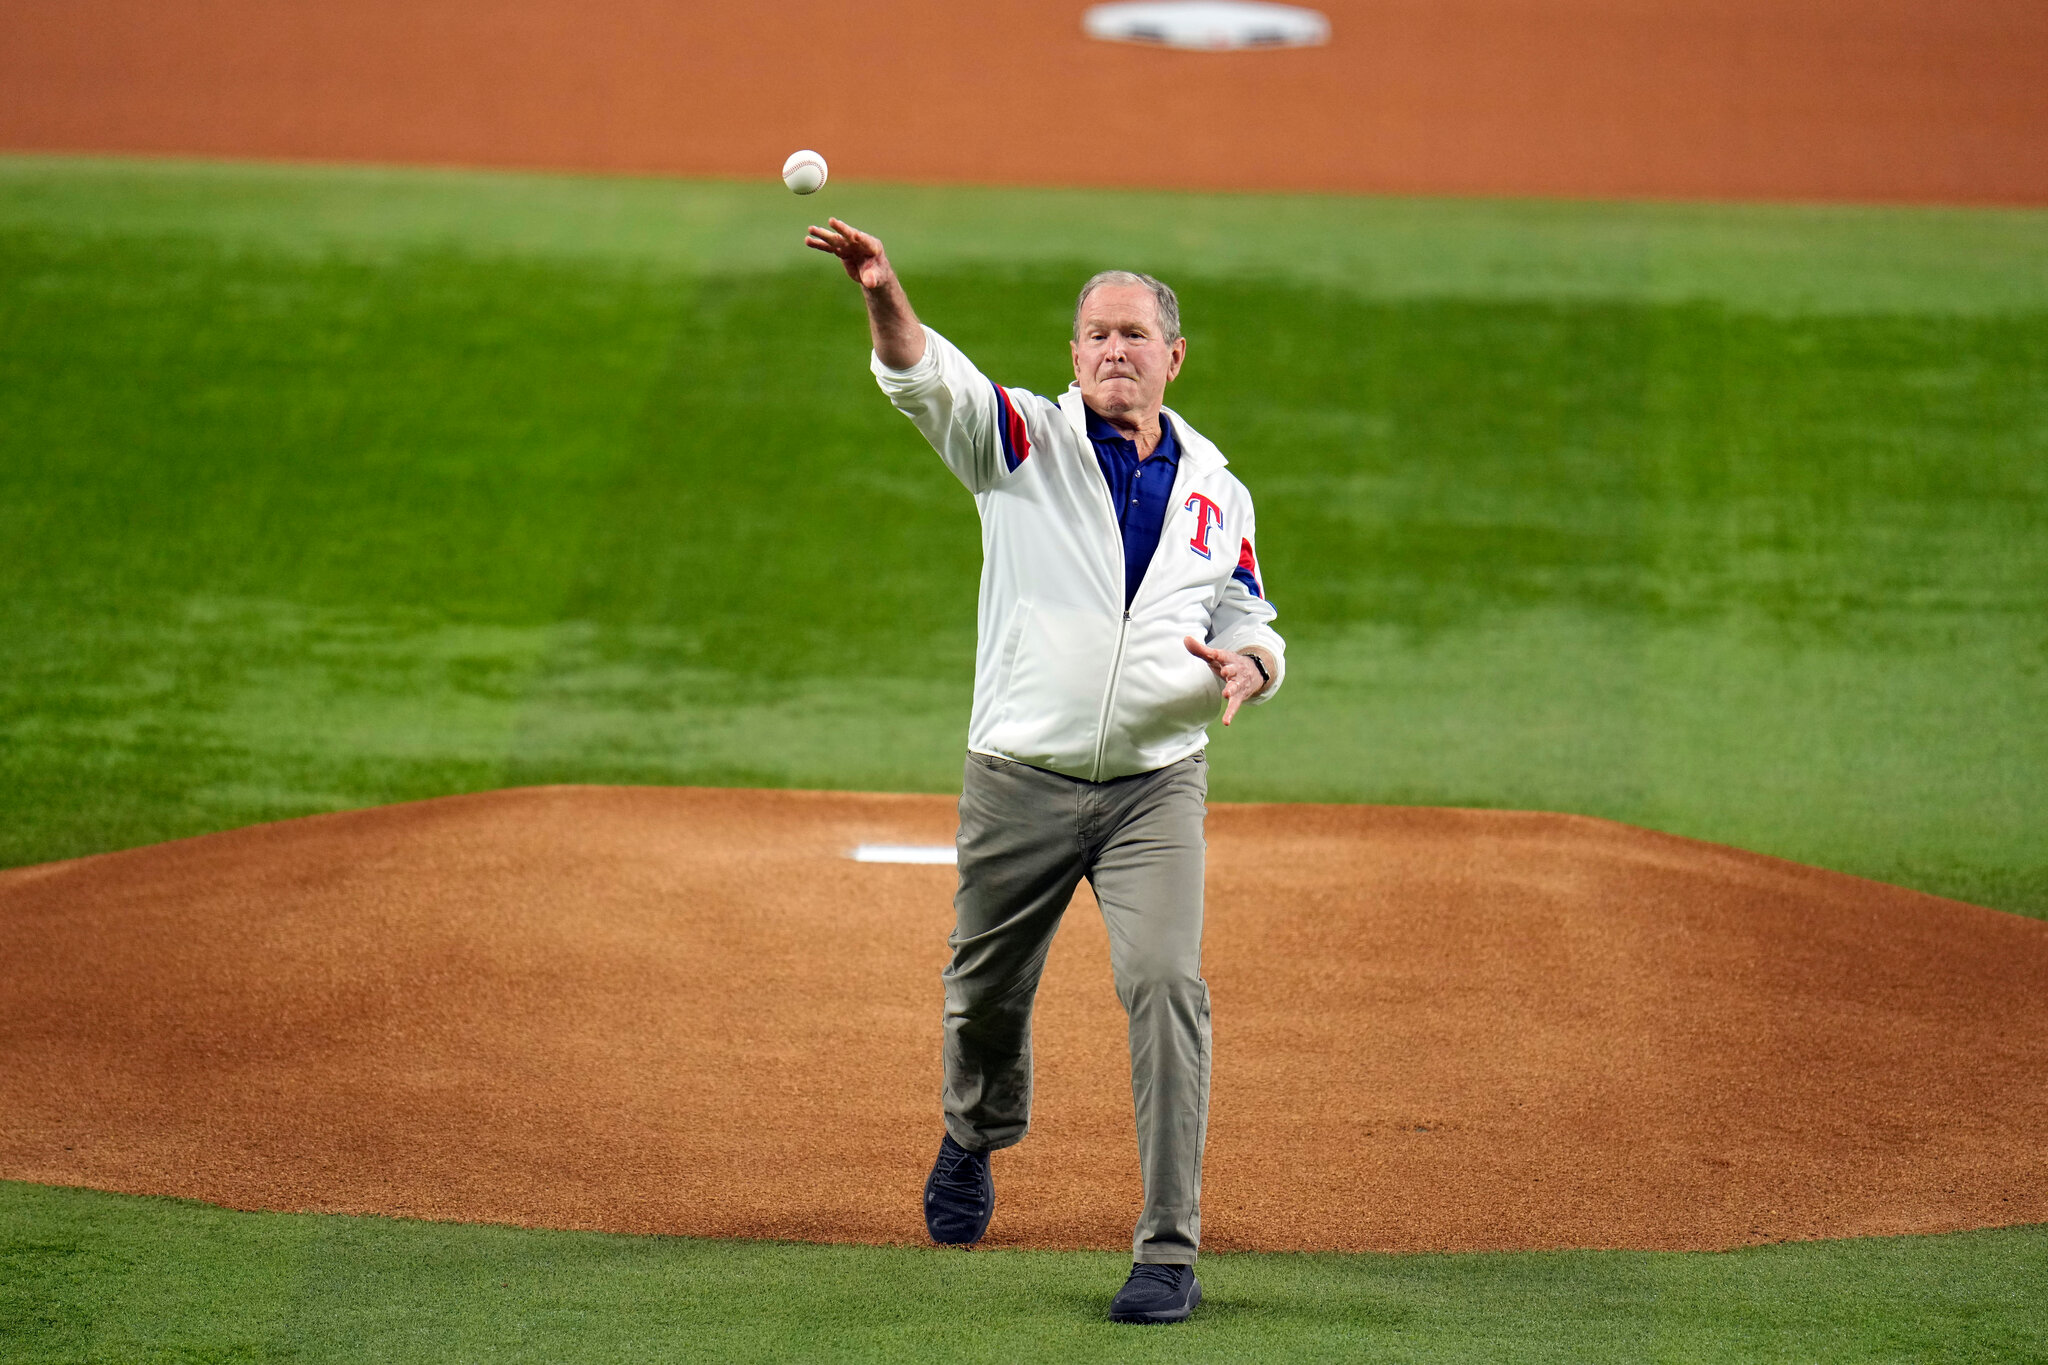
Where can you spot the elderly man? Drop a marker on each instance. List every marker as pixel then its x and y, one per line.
pixel 1121 610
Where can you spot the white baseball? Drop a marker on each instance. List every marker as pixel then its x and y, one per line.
pixel 804 172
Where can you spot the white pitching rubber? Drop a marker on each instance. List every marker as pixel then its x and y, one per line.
pixel 932 854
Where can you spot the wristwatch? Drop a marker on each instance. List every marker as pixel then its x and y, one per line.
pixel 1265 678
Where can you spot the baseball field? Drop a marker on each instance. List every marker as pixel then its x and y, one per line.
pixel 326 489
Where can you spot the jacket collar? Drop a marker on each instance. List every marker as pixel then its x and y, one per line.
pixel 1197 451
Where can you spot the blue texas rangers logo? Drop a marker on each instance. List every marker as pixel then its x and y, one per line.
pixel 1208 516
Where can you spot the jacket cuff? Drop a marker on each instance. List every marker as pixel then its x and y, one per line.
pixel 918 376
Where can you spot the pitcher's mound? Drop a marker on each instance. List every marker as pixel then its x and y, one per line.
pixel 688 1011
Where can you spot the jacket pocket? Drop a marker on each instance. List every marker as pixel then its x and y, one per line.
pixel 1052 688
pixel 1006 664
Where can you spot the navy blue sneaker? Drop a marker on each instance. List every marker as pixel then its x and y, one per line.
pixel 1157 1293
pixel 959 1196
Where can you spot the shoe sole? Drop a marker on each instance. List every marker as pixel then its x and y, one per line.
pixel 1164 1315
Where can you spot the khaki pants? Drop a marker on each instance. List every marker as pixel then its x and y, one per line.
pixel 1027 837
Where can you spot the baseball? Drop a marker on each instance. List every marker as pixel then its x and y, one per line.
pixel 804 172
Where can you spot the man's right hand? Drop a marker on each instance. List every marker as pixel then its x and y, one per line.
pixel 897 334
pixel 861 253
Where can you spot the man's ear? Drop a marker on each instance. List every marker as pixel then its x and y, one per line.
pixel 1074 353
pixel 1180 353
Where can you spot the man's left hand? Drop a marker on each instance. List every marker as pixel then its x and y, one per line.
pixel 1240 676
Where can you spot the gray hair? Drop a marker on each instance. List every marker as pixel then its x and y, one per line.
pixel 1169 306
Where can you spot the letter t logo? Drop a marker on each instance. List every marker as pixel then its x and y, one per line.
pixel 1208 516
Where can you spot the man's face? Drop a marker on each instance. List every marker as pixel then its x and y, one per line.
pixel 1122 361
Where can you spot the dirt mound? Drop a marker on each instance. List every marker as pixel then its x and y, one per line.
pixel 687 1011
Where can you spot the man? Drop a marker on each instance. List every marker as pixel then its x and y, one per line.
pixel 1121 609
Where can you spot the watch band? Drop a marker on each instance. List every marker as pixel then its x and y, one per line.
pixel 1265 678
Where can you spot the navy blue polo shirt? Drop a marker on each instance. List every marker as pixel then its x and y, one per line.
pixel 1139 490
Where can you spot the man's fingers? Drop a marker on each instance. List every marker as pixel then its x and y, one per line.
pixel 842 241
pixel 855 238
pixel 1235 671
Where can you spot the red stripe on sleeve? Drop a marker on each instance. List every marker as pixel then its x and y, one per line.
pixel 1016 442
pixel 1248 565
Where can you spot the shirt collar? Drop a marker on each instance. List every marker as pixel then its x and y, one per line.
pixel 1168 448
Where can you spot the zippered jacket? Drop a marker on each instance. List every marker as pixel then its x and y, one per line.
pixel 1064 677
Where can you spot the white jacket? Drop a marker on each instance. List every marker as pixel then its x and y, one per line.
pixel 1064 677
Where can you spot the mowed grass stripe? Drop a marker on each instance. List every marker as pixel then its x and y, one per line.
pixel 101 1277
pixel 290 533
pixel 1779 258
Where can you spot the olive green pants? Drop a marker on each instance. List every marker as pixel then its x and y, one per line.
pixel 1027 838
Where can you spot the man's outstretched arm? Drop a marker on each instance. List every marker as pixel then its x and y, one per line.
pixel 976 427
pixel 899 338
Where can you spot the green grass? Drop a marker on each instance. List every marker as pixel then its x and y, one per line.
pixel 1802 260
pixel 327 487
pixel 94 1277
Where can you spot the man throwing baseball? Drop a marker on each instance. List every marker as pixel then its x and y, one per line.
pixel 1121 610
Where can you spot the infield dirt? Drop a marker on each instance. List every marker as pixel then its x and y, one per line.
pixel 687 1011
pixel 1803 99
